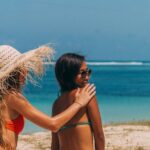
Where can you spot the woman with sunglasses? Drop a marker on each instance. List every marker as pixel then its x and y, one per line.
pixel 78 134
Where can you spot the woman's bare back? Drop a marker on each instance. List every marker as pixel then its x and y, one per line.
pixel 77 133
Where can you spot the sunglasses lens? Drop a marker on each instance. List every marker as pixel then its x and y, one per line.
pixel 85 73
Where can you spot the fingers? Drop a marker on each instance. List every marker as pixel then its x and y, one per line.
pixel 85 95
pixel 93 89
pixel 88 87
pixel 92 94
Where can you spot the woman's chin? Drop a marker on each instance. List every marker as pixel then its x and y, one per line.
pixel 83 84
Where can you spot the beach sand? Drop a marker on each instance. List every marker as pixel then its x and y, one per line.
pixel 118 137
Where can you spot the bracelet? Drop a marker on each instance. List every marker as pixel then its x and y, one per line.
pixel 78 103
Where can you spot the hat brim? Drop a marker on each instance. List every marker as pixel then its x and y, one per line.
pixel 32 59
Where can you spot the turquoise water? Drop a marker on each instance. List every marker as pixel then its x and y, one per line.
pixel 123 91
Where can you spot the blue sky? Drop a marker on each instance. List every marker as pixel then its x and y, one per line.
pixel 99 29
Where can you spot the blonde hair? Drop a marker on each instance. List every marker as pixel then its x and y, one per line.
pixel 4 143
pixel 12 84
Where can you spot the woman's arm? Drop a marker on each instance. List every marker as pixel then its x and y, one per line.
pixel 18 103
pixel 95 118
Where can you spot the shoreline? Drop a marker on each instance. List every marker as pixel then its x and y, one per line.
pixel 118 136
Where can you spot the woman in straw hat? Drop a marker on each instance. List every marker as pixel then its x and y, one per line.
pixel 14 69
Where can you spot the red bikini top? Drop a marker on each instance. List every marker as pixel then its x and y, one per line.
pixel 16 125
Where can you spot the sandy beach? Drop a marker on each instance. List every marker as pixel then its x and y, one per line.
pixel 118 137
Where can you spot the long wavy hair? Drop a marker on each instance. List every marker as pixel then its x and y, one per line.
pixel 12 83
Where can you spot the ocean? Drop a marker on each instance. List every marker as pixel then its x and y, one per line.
pixel 122 90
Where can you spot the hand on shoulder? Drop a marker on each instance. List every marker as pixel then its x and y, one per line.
pixel 83 96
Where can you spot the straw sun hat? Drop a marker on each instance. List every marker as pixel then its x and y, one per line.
pixel 11 59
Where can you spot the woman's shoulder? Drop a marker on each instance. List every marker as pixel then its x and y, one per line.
pixel 13 97
pixel 12 100
pixel 55 107
pixel 63 101
pixel 55 103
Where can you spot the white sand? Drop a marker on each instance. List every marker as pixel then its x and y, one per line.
pixel 122 137
pixel 127 137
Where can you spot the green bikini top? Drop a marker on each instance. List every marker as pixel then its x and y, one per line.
pixel 74 125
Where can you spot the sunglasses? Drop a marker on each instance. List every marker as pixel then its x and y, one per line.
pixel 85 73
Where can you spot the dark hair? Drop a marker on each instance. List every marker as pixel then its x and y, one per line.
pixel 66 69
